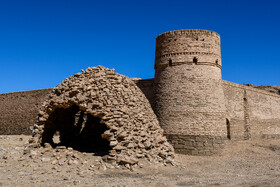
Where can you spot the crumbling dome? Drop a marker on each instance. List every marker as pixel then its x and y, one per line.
pixel 102 112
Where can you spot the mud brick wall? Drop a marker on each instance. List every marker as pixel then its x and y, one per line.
pixel 264 114
pixel 234 99
pixel 252 113
pixel 197 145
pixel 19 110
pixel 146 86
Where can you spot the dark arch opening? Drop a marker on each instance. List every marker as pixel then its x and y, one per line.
pixel 195 60
pixel 217 61
pixel 228 129
pixel 170 62
pixel 76 129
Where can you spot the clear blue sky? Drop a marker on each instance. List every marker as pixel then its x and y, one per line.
pixel 44 41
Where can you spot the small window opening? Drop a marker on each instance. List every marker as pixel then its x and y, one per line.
pixel 228 129
pixel 202 39
pixel 195 60
pixel 170 62
pixel 196 39
pixel 217 61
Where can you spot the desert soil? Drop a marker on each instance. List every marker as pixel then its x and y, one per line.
pixel 242 163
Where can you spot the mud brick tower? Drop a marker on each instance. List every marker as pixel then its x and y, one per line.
pixel 189 98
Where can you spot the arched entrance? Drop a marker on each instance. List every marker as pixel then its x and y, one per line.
pixel 75 128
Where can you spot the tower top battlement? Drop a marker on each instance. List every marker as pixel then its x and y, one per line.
pixel 188 32
pixel 193 47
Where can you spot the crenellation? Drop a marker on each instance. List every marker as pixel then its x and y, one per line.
pixel 194 46
pixel 189 32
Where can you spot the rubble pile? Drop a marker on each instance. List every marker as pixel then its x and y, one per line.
pixel 105 113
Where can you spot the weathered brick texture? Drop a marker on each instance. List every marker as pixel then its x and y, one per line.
pixel 196 144
pixel 18 110
pixel 189 98
pixel 252 113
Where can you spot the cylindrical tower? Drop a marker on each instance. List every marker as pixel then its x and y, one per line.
pixel 189 98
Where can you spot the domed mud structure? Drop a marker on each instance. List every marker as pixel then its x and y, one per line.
pixel 105 113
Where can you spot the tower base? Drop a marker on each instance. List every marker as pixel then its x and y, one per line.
pixel 203 145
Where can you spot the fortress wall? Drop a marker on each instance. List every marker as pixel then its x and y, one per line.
pixel 234 99
pixel 252 113
pixel 264 114
pixel 19 110
pixel 146 86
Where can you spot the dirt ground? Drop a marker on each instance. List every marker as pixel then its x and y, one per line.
pixel 243 163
